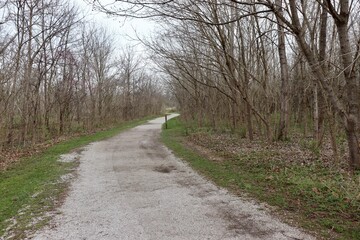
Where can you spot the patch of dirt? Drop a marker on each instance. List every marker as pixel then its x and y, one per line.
pixel 244 224
pixel 206 152
pixel 164 169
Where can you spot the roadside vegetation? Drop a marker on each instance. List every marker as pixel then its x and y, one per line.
pixel 33 186
pixel 322 199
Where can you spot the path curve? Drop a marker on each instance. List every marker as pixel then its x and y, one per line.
pixel 132 187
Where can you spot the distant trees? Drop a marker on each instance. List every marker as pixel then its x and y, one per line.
pixel 60 75
pixel 262 66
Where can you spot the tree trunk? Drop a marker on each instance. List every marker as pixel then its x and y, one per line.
pixel 352 87
pixel 320 105
pixel 316 114
pixel 284 105
pixel 249 122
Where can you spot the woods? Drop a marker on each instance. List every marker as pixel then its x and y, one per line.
pixel 268 93
pixel 60 74
pixel 266 68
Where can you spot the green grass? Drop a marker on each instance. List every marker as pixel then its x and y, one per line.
pixel 320 200
pixel 32 185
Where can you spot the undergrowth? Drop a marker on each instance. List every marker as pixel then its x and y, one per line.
pixel 320 199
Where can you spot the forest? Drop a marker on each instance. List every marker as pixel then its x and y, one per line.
pixel 269 69
pixel 268 93
pixel 61 74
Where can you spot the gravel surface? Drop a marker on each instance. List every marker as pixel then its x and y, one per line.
pixel 132 187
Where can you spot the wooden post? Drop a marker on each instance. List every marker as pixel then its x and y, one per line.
pixel 165 121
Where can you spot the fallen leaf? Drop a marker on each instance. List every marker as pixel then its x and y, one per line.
pixel 315 190
pixel 269 177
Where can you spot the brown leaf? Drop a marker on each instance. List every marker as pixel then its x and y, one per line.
pixel 315 190
pixel 269 177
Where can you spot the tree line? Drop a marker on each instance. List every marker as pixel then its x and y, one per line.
pixel 60 74
pixel 265 66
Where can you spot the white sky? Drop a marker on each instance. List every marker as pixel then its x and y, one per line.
pixel 123 32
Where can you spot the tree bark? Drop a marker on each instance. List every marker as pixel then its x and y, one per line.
pixel 352 88
pixel 284 101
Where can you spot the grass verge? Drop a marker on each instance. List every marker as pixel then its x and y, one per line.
pixel 33 186
pixel 320 200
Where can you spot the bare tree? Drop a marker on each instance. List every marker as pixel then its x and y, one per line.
pixel 58 74
pixel 303 22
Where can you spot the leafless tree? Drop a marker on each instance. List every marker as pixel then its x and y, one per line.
pixel 233 42
pixel 59 75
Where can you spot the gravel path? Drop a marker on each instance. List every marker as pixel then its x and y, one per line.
pixel 132 187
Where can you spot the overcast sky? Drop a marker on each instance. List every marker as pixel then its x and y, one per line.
pixel 123 32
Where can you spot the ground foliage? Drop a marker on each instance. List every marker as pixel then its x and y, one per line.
pixel 302 180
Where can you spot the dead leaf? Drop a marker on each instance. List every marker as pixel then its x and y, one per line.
pixel 315 190
pixel 269 177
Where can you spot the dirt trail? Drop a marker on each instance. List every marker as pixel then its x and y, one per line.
pixel 132 187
